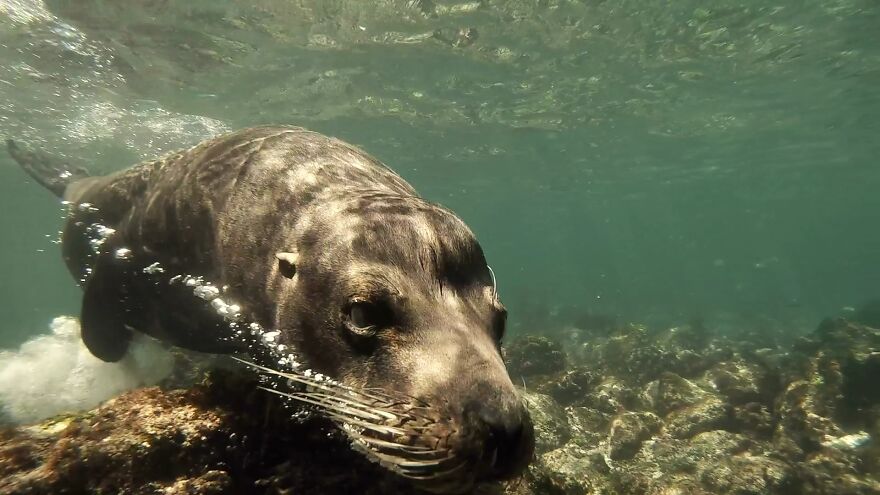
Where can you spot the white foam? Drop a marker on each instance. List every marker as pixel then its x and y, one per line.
pixel 55 373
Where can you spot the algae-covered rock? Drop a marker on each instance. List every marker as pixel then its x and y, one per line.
pixel 687 408
pixel 534 355
pixel 207 440
pixel 671 392
pixel 551 426
pixel 574 385
pixel 706 415
pixel 637 355
pixel 822 474
pixel 215 482
pixel 738 381
pixel 612 396
pixel 629 430
pixel 706 463
pixel 737 426
pixel 753 418
pixel 768 422
pixel 589 427
pixel 568 471
pixel 832 390
pixel 746 474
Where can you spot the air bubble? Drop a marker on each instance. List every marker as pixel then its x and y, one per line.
pixel 102 230
pixel 206 292
pixel 101 233
pixel 154 269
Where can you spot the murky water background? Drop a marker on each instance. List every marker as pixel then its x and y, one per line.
pixel 644 160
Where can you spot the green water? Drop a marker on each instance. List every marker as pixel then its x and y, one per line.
pixel 652 161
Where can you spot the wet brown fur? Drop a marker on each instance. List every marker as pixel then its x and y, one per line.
pixel 224 209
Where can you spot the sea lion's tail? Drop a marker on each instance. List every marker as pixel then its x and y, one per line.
pixel 51 172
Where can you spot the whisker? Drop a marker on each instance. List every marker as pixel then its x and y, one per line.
pixel 342 406
pixel 387 430
pixel 367 416
pixel 374 393
pixel 399 398
pixel 435 475
pixel 337 398
pixel 402 465
pixel 324 404
pixel 409 449
pixel 345 415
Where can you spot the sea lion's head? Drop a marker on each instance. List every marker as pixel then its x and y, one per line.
pixel 391 296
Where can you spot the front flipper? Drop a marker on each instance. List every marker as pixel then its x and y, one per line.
pixel 102 318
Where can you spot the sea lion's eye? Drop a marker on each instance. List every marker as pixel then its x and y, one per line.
pixel 499 324
pixel 360 315
pixel 365 318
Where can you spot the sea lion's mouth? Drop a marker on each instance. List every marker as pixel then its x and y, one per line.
pixel 403 434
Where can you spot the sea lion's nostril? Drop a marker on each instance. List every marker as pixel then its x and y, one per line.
pixel 509 443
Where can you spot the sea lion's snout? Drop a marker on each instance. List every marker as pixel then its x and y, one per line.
pixel 509 438
pixel 463 376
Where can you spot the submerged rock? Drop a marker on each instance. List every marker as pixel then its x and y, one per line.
pixel 574 385
pixel 672 392
pixel 753 418
pixel 738 381
pixel 706 415
pixel 807 423
pixel 210 439
pixel 534 355
pixel 628 431
pixel 868 313
pixel 756 421
pixel 612 396
pixel 567 470
pixel 589 427
pixel 550 423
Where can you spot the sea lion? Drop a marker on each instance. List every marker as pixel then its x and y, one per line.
pixel 337 258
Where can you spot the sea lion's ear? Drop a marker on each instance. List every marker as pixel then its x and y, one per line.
pixel 286 264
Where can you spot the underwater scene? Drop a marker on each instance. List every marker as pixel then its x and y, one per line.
pixel 515 247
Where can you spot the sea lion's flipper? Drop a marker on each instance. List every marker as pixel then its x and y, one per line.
pixel 102 318
pixel 51 172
